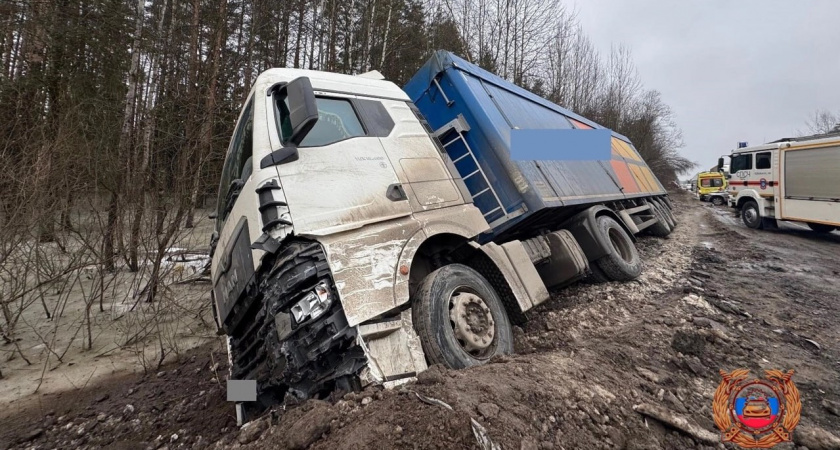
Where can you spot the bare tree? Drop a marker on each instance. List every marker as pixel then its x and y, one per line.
pixel 821 122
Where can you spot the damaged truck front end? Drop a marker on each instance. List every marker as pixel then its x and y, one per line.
pixel 294 337
pixel 318 228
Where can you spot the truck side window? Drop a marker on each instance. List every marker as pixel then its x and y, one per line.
pixel 741 162
pixel 762 160
pixel 237 160
pixel 337 121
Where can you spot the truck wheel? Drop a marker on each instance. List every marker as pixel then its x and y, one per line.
pixel 596 275
pixel 667 208
pixel 717 201
pixel 821 228
pixel 669 215
pixel 623 263
pixel 661 228
pixel 460 318
pixel 750 215
pixel 670 212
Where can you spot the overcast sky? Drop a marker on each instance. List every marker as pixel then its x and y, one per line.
pixel 740 70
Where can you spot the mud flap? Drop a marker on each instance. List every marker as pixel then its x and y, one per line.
pixel 520 276
pixel 567 262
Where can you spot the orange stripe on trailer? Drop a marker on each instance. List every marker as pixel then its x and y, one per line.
pixel 631 153
pixel 619 150
pixel 579 125
pixel 640 178
pixel 625 178
pixel 651 179
pixel 615 150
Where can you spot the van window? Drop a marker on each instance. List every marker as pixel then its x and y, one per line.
pixel 762 160
pixel 337 121
pixel 741 162
pixel 238 163
pixel 717 182
pixel 706 182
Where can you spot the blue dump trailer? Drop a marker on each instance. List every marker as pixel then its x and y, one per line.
pixel 473 114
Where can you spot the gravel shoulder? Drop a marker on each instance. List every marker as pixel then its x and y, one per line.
pixel 715 295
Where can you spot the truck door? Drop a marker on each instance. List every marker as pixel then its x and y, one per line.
pixel 343 179
pixel 740 168
pixel 764 175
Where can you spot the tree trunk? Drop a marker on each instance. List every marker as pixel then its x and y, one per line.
pixel 125 144
pixel 385 37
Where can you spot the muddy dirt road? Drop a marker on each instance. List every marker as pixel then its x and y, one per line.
pixel 716 295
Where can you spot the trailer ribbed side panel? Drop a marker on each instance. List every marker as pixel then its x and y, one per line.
pixel 448 88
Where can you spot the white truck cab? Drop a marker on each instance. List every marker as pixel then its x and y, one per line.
pixel 330 188
pixel 792 180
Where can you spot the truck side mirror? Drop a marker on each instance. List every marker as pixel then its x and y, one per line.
pixel 720 164
pixel 303 111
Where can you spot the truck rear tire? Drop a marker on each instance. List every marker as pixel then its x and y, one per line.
pixel 662 228
pixel 460 319
pixel 596 275
pixel 750 215
pixel 669 215
pixel 623 262
pixel 821 228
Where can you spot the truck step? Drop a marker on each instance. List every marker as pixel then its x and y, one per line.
pixel 492 211
pixel 471 174
pixel 481 192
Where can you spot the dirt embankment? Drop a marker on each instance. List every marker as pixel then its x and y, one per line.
pixel 713 296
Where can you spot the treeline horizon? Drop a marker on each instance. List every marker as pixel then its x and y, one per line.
pixel 135 100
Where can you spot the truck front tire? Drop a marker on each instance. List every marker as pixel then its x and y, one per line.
pixel 623 262
pixel 460 319
pixel 750 215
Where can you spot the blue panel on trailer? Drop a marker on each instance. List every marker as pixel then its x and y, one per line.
pixel 559 145
pixel 473 113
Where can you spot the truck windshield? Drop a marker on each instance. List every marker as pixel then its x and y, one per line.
pixel 337 121
pixel 741 162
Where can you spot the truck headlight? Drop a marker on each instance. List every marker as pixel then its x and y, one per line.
pixel 313 304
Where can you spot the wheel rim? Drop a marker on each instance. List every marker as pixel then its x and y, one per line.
pixel 750 215
pixel 620 245
pixel 472 323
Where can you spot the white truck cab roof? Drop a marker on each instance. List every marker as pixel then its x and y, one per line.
pixel 334 82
